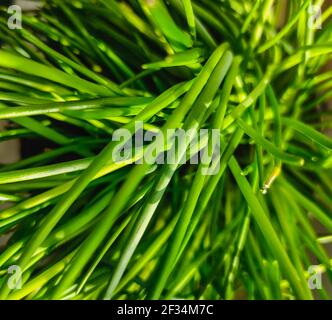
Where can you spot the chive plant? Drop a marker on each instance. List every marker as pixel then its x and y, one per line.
pixel 80 225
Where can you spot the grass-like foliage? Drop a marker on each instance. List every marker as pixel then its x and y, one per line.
pixel 82 226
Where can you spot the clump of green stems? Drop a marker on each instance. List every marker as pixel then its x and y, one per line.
pixel 83 227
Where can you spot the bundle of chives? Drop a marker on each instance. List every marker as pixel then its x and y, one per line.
pixel 82 224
